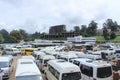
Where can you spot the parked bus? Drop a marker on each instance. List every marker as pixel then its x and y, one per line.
pixel 12 51
pixel 62 70
pixel 43 61
pixel 28 57
pixel 27 51
pixel 90 56
pixel 94 70
pixel 6 65
pixel 68 56
pixel 38 54
pixel 27 70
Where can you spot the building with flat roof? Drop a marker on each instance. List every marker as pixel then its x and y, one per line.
pixel 81 39
pixel 57 29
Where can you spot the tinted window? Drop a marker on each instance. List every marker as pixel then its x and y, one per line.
pixel 78 47
pixel 89 47
pixel 104 72
pixel 54 72
pixel 117 51
pixel 29 50
pixel 45 62
pixel 4 64
pixel 87 70
pixel 76 62
pixel 71 76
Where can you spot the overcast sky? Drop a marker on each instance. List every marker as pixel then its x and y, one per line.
pixel 39 15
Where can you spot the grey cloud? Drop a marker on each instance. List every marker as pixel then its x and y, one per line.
pixel 39 15
pixel 15 3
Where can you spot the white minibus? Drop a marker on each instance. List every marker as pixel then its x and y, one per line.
pixel 38 54
pixel 27 70
pixel 62 70
pixel 6 65
pixel 28 57
pixel 90 56
pixel 12 51
pixel 94 70
pixel 68 56
pixel 43 61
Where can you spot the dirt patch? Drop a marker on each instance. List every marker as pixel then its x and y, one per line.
pixel 12 75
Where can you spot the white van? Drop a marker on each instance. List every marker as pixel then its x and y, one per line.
pixel 43 61
pixel 68 56
pixel 38 54
pixel 110 55
pixel 6 65
pixel 28 57
pixel 27 70
pixel 90 56
pixel 94 70
pixel 62 70
pixel 12 51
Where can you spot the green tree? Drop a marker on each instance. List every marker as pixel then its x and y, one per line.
pixel 83 30
pixel 24 34
pixel 92 28
pixel 5 35
pixel 77 29
pixel 15 36
pixel 109 24
pixel 36 35
pixel 1 38
pixel 112 35
pixel 106 33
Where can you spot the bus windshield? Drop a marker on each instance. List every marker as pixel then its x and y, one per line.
pixel 71 76
pixel 106 72
pixel 4 64
pixel 29 50
pixel 28 78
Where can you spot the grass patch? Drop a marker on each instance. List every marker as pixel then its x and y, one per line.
pixel 117 39
pixel 101 39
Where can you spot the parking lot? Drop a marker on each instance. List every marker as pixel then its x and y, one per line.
pixel 116 75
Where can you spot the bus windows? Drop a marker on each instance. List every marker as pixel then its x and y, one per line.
pixel 87 70
pixel 106 72
pixel 54 72
pixel 71 76
pixel 76 62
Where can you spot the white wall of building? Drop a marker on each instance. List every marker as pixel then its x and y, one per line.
pixel 81 39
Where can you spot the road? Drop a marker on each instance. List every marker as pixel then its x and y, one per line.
pixel 14 67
